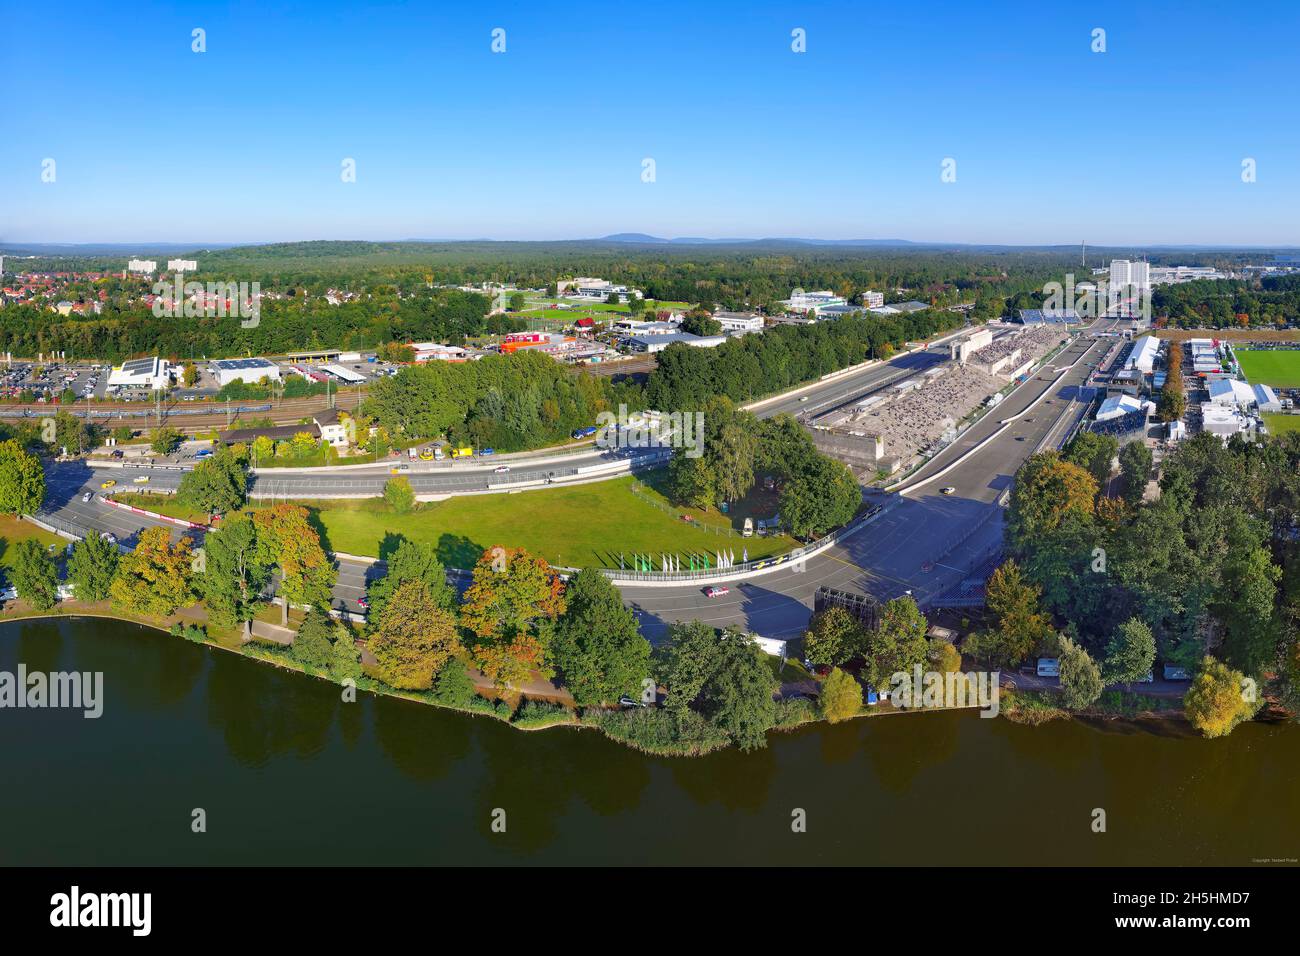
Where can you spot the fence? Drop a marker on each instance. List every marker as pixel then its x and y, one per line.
pixel 725 531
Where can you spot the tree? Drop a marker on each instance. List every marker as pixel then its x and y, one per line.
pixel 91 567
pixel 314 643
pixel 841 696
pixel 1130 653
pixel 737 697
pixel 286 538
pixel 235 572
pixel 516 302
pixel 189 374
pixel 399 494
pixel 821 496
pixel 412 561
pixel 154 579
pixel 1135 462
pixel 1080 676
pixel 511 589
pixel 942 656
pixel 898 643
pixel 686 662
pixel 701 323
pixel 1046 491
pixel 216 485
pixel 1218 700
pixel 165 440
pixel 345 659
pixel 34 574
pixel 1093 453
pixel 453 686
pixel 413 638
pixel 1020 624
pixel 22 480
pixel 598 649
pixel 833 637
pixel 263 449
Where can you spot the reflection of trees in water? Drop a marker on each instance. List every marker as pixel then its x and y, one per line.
pixel 733 778
pixel 900 746
pixel 263 712
pixel 145 668
pixel 40 645
pixel 352 720
pixel 423 743
pixel 535 776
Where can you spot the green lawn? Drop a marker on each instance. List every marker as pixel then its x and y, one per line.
pixel 1278 367
pixel 13 530
pixel 1277 424
pixel 160 504
pixel 570 527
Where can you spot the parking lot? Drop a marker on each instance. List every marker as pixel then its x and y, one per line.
pixel 45 382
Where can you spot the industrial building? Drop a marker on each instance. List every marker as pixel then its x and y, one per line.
pixel 739 322
pixel 651 344
pixel 433 352
pixel 143 372
pixel 251 370
pixel 900 308
pixel 801 301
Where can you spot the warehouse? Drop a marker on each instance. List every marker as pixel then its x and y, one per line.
pixel 251 370
pixel 657 343
pixel 1144 354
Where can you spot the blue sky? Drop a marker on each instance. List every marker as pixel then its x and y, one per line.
pixel 1053 143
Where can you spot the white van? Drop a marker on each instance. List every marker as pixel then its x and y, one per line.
pixel 1049 667
pixel 749 528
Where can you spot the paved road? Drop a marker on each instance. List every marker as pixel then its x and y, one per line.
pixel 924 542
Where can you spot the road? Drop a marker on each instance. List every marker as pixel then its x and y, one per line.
pixel 925 542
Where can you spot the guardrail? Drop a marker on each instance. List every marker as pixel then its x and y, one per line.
pixel 180 522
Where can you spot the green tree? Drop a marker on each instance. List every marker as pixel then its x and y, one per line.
pixel 1218 699
pixel 1020 624
pixel 399 494
pixel 413 638
pixel 216 485
pixel 1047 490
pixel 833 637
pixel 34 574
pixel 22 480
pixel 516 302
pixel 821 496
pixel 737 697
pixel 686 661
pixel 841 696
pixel 1094 453
pixel 1135 462
pixel 1130 652
pixel 411 561
pixel 235 572
pixel 598 649
pixel 897 644
pixel 345 659
pixel 314 643
pixel 1080 676
pixel 943 658
pixel 453 686
pixel 165 440
pixel 91 567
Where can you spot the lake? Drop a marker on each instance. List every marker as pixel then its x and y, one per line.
pixel 285 772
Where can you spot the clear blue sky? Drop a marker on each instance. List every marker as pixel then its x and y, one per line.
pixel 1053 143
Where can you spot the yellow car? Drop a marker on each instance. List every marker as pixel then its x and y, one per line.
pixel 426 455
pixel 107 484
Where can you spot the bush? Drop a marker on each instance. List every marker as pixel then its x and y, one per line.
pixel 191 632
pixel 793 711
pixel 452 686
pixel 541 713
pixel 656 731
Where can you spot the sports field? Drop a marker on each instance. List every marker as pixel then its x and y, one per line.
pixel 1277 367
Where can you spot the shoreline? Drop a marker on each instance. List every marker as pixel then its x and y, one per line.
pixel 509 709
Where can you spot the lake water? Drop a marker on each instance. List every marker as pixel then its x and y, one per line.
pixel 287 773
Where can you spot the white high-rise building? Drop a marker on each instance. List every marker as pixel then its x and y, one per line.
pixel 1132 276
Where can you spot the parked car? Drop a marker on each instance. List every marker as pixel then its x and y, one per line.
pixel 626 701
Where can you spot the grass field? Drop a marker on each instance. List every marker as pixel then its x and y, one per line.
pixel 1277 424
pixel 161 504
pixel 13 530
pixel 569 527
pixel 1279 368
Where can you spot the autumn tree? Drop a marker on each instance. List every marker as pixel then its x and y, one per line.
pixel 154 579
pixel 286 538
pixel 841 696
pixel 413 638
pixel 1219 699
pixel 1047 490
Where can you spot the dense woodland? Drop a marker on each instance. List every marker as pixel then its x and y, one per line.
pixel 1225 303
